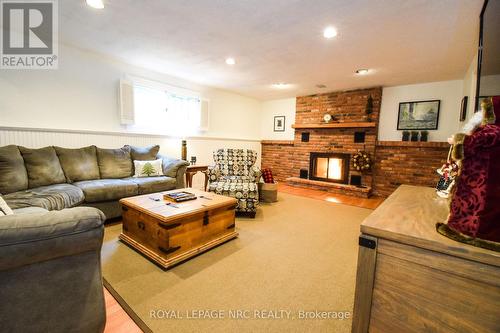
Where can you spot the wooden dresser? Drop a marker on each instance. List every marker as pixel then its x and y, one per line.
pixel 412 279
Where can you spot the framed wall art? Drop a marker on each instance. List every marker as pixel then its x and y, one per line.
pixel 419 115
pixel 279 123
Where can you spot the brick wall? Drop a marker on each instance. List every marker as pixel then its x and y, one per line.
pixel 412 163
pixel 276 155
pixel 345 106
pixel 395 163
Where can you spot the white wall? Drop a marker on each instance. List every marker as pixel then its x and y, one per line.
pixel 449 92
pixel 470 82
pixel 82 95
pixel 278 107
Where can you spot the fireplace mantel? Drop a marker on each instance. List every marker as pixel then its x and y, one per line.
pixel 335 125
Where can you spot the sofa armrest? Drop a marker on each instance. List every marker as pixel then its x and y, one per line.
pixel 174 168
pixel 40 236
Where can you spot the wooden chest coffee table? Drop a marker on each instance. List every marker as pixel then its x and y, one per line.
pixel 169 234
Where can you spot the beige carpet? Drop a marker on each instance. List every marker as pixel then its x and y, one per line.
pixel 299 254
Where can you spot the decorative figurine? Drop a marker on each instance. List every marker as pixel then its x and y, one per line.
pixel 474 208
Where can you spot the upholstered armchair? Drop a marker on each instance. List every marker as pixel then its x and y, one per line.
pixel 235 175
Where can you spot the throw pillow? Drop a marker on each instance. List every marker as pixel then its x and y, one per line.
pixel 267 174
pixel 114 163
pixel 43 167
pixel 148 168
pixel 4 208
pixel 143 154
pixel 13 174
pixel 79 164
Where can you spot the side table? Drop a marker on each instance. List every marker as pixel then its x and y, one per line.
pixel 192 170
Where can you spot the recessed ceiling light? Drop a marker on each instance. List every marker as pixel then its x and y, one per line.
pixel 362 71
pixel 280 85
pixel 230 61
pixel 329 32
pixel 98 4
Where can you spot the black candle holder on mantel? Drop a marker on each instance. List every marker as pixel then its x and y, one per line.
pixel 406 136
pixel 424 136
pixel 414 136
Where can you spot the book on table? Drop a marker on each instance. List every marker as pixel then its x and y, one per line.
pixel 179 196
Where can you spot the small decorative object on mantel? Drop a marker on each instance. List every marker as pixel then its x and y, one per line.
pixel 424 136
pixel 361 161
pixel 184 150
pixel 327 118
pixel 279 123
pixel 406 135
pixel 422 115
pixel 369 108
pixel 193 160
pixel 414 136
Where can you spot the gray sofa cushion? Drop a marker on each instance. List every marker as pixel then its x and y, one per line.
pixel 114 163
pixel 107 189
pixel 13 174
pixel 29 210
pixel 154 184
pixel 79 164
pixel 144 153
pixel 43 166
pixel 52 197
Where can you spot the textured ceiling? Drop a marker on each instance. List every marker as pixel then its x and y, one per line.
pixel 403 41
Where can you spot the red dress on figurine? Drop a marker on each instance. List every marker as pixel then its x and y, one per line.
pixel 475 205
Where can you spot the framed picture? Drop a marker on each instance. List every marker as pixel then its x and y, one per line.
pixel 463 108
pixel 279 123
pixel 419 115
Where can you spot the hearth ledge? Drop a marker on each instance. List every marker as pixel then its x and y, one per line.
pixel 364 192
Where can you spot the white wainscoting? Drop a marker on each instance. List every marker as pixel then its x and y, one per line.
pixel 201 147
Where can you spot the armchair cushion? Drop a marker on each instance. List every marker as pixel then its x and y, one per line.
pixel 245 192
pixel 235 161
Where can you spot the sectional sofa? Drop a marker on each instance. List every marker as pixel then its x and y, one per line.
pixel 54 178
pixel 50 247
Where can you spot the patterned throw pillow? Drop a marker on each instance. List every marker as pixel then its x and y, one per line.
pixel 267 174
pixel 4 208
pixel 148 168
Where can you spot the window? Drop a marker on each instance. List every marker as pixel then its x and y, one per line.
pixel 169 110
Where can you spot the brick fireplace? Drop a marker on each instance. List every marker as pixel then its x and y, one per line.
pixel 394 163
